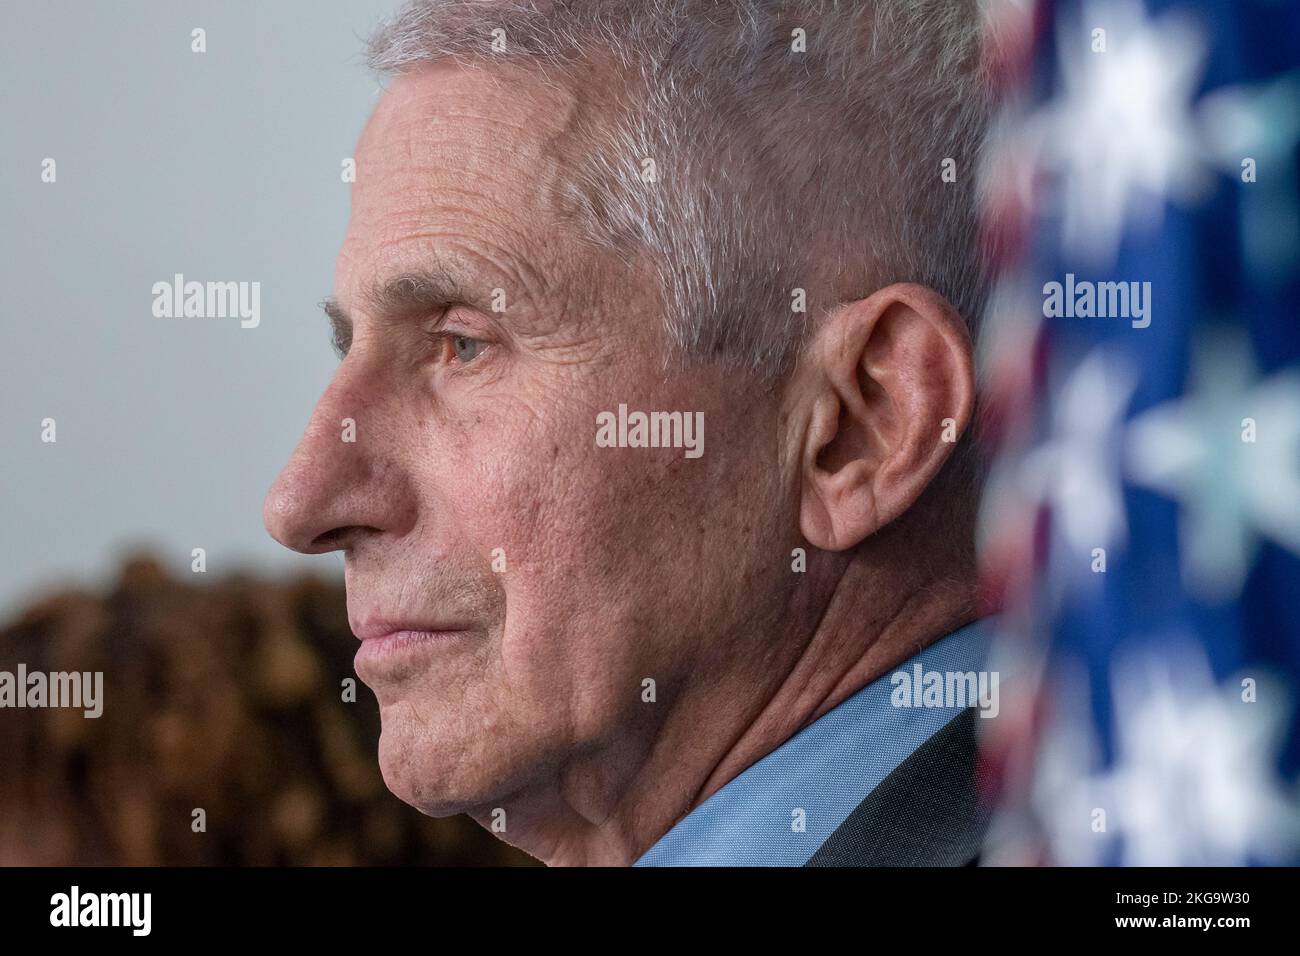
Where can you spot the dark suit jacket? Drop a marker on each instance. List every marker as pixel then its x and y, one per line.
pixel 925 813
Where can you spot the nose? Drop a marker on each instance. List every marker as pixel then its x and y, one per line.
pixel 339 485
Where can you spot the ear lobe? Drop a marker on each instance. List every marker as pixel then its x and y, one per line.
pixel 890 369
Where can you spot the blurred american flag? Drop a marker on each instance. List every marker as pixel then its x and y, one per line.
pixel 1141 526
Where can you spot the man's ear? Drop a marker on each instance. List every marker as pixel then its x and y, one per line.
pixel 882 394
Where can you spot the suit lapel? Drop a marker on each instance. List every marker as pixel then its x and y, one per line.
pixel 925 813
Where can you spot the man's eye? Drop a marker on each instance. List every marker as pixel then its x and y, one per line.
pixel 466 349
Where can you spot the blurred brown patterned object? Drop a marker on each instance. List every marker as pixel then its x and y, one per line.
pixel 225 697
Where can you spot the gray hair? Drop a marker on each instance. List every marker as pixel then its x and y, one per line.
pixel 775 169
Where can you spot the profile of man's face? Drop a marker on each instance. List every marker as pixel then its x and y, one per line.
pixel 473 500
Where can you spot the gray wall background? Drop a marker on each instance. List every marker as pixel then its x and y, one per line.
pixel 223 165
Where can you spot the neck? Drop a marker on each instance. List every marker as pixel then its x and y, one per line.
pixel 611 807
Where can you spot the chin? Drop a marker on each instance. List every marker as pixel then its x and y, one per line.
pixel 431 775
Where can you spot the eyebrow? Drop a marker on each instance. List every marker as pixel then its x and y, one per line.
pixel 403 296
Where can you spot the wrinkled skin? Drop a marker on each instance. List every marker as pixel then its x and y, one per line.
pixel 621 564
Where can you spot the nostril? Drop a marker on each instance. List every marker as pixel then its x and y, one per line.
pixel 329 541
pixel 339 539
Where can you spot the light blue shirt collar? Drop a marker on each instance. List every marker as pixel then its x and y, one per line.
pixel 782 808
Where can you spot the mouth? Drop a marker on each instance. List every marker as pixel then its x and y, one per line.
pixel 386 644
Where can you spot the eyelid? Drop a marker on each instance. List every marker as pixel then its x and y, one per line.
pixel 443 322
pixel 442 332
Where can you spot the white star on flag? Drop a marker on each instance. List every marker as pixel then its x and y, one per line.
pixel 1079 469
pixel 1232 491
pixel 1122 131
pixel 1192 781
pixel 1260 122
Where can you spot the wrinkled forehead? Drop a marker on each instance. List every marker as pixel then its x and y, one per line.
pixel 456 162
pixel 445 105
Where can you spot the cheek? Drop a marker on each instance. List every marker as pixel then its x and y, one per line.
pixel 511 490
pixel 574 526
pixel 524 475
pixel 507 479
pixel 618 561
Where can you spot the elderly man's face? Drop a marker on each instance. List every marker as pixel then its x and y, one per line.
pixel 474 501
